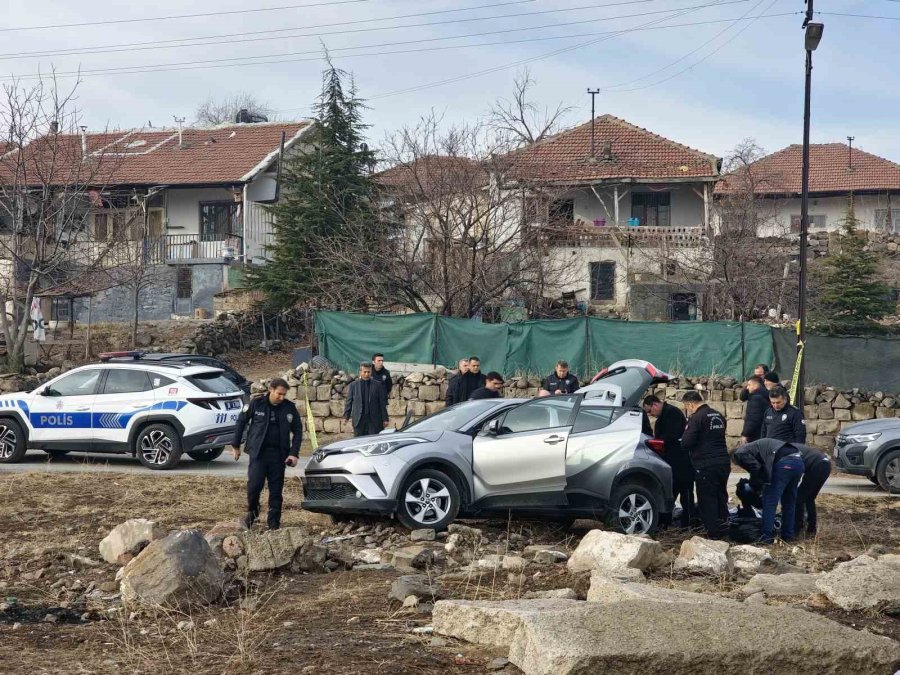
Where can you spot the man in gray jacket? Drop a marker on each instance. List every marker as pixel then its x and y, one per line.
pixel 366 404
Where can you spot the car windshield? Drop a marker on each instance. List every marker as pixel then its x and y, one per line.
pixel 214 383
pixel 452 418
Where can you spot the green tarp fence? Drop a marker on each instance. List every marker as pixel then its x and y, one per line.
pixel 588 344
pixel 872 364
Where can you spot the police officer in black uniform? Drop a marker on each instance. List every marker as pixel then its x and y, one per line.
pixel 670 423
pixel 704 440
pixel 783 421
pixel 273 443
pixel 382 374
pixel 560 381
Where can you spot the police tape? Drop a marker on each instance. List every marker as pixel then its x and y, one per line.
pixel 795 381
pixel 310 420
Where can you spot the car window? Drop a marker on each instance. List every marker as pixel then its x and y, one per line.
pixel 546 413
pixel 126 382
pixel 453 418
pixel 631 380
pixel 593 418
pixel 215 383
pixel 157 380
pixel 82 383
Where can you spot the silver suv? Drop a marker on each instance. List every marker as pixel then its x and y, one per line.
pixel 561 457
pixel 871 449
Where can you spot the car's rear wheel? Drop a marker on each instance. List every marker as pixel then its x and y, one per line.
pixel 12 442
pixel 888 471
pixel 158 446
pixel 633 509
pixel 428 499
pixel 206 455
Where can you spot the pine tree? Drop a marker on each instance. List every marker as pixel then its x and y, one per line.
pixel 850 297
pixel 324 187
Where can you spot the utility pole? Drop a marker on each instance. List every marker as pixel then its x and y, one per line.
pixel 850 140
pixel 593 93
pixel 811 40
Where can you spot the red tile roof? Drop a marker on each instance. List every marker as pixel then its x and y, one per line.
pixel 781 172
pixel 226 154
pixel 634 153
pixel 429 172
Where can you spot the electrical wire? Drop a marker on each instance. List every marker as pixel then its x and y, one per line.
pixel 220 39
pixel 180 16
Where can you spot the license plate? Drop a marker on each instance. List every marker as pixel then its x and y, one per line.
pixel 232 405
pixel 318 483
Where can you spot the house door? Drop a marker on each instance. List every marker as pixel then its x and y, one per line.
pixel 184 290
pixel 683 307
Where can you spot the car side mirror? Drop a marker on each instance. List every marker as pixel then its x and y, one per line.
pixel 493 427
pixel 47 391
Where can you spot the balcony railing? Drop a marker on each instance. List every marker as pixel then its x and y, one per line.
pixel 583 235
pixel 187 247
pixel 169 249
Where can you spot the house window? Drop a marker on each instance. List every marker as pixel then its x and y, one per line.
pixel 61 309
pixel 881 220
pixel 683 307
pixel 101 227
pixel 603 281
pixel 815 222
pixel 184 285
pixel 218 220
pixel 562 212
pixel 652 209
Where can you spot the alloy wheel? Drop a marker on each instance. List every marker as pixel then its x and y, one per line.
pixel 156 447
pixel 892 472
pixel 8 442
pixel 428 501
pixel 635 514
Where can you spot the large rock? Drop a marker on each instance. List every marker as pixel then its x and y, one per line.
pixel 611 551
pixel 782 585
pixel 410 558
pixel 491 623
pixel 864 583
pixel 129 538
pixel 174 571
pixel 415 584
pixel 748 559
pixel 280 548
pixel 605 590
pixel 639 637
pixel 704 555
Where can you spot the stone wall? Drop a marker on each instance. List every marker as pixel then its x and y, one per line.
pixel 828 410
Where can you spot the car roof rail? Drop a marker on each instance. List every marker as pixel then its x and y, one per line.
pixel 134 354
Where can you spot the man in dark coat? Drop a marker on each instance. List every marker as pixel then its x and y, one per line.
pixel 704 441
pixel 491 389
pixel 783 421
pixel 670 423
pixel 366 404
pixel 454 383
pixel 759 371
pixel 560 381
pixel 755 410
pixel 382 374
pixel 273 443
pixel 472 380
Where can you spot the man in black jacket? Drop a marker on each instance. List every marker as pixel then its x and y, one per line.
pixel 670 423
pixel 491 389
pixel 704 441
pixel 560 381
pixel 382 374
pixel 454 383
pixel 755 410
pixel 472 380
pixel 783 421
pixel 366 404
pixel 273 442
pixel 759 371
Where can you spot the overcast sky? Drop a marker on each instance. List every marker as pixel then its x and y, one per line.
pixel 707 85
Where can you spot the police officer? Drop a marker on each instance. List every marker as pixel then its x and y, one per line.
pixel 755 410
pixel 670 423
pixel 560 381
pixel 382 374
pixel 273 442
pixel 704 440
pixel 783 421
pixel 817 469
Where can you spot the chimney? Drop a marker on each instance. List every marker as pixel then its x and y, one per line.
pixel 54 127
pixel 607 151
pixel 180 121
pixel 84 148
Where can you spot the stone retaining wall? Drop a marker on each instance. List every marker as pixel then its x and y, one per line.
pixel 828 410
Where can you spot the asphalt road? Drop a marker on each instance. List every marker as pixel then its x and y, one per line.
pixel 226 467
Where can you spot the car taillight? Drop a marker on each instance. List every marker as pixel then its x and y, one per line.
pixel 656 445
pixel 204 403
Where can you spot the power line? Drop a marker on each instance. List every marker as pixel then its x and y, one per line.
pixel 181 16
pixel 244 61
pixel 862 16
pixel 219 39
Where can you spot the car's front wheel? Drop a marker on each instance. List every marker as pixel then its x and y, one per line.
pixel 158 446
pixel 206 455
pixel 12 442
pixel 633 509
pixel 888 472
pixel 428 499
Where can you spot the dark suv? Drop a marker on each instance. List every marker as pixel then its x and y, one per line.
pixel 187 359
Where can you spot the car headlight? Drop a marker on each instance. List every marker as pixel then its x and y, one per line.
pixel 386 447
pixel 862 438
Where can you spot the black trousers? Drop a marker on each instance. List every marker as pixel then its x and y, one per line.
pixel 810 485
pixel 267 467
pixel 683 491
pixel 366 427
pixel 712 498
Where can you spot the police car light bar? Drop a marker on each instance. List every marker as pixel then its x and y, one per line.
pixel 106 356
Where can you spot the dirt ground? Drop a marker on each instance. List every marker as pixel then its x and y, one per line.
pixel 281 623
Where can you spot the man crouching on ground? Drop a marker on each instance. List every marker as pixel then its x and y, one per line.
pixel 273 443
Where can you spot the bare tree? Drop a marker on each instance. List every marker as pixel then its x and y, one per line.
pixel 48 180
pixel 214 111
pixel 452 239
pixel 519 120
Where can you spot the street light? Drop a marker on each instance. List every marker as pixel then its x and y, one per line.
pixel 811 40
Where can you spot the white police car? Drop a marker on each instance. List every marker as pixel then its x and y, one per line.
pixel 154 410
